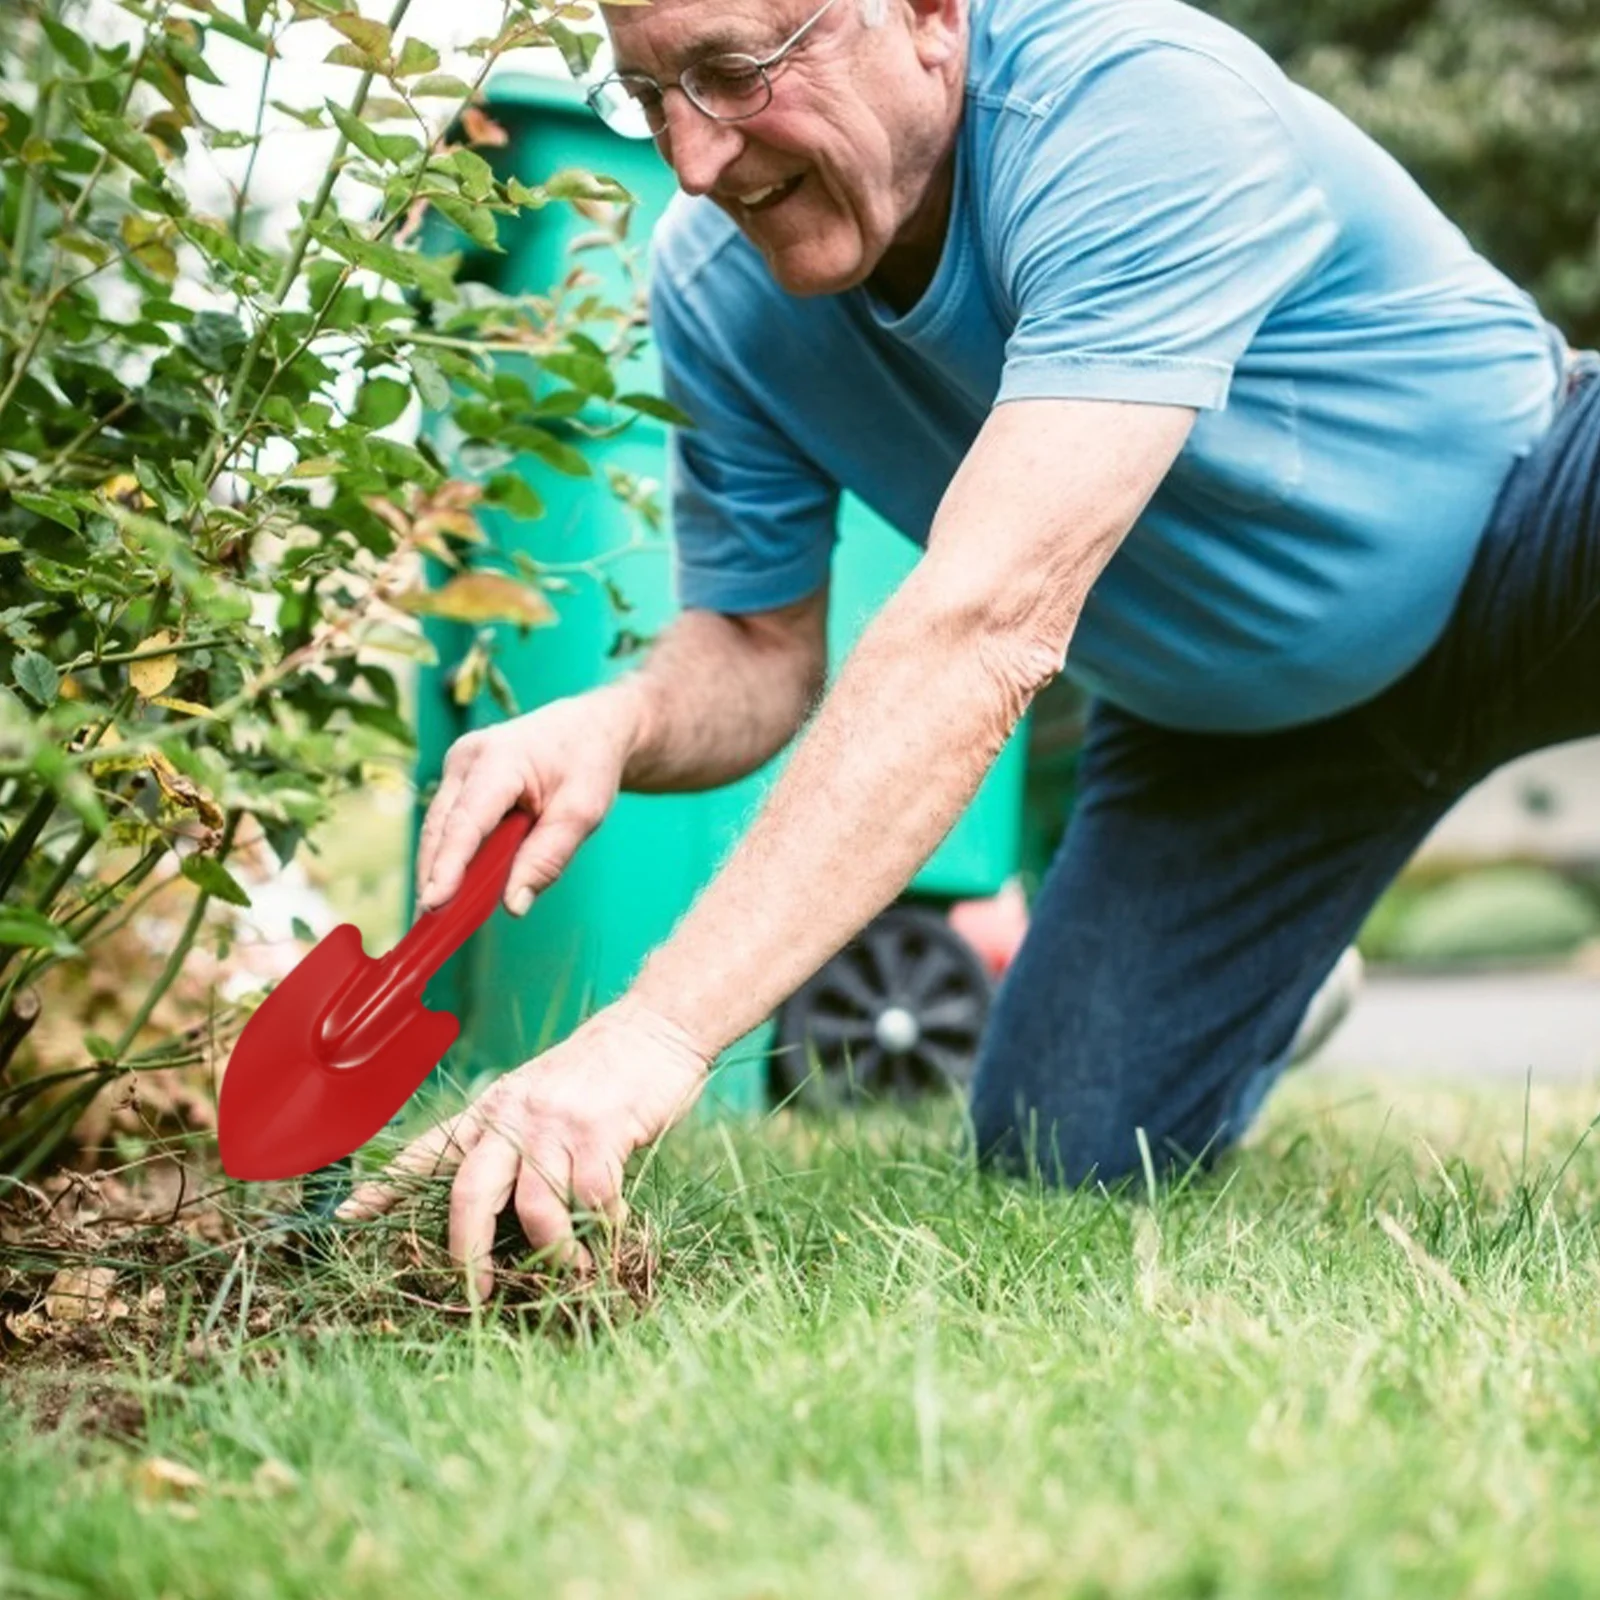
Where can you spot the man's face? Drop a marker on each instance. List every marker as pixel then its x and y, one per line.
pixel 824 179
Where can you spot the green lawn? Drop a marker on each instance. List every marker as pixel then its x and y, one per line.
pixel 1365 1360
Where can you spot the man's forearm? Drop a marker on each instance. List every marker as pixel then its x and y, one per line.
pixel 715 698
pixel 918 715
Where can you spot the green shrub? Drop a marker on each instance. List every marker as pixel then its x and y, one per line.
pixel 206 536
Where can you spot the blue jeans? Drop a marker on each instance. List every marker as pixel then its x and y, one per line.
pixel 1208 883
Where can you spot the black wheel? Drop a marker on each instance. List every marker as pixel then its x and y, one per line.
pixel 896 1013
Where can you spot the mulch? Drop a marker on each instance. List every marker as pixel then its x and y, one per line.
pixel 96 1269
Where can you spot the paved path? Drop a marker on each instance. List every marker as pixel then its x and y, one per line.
pixel 1489 1025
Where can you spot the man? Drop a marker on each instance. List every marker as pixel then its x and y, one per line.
pixel 1169 366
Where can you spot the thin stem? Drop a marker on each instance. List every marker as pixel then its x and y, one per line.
pixel 180 950
pixel 42 961
pixel 96 903
pixel 43 471
pixel 242 194
pixel 63 873
pixel 220 450
pixel 28 200
pixel 41 327
pixel 148 653
pixel 20 843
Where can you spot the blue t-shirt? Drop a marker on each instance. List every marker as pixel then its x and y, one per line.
pixel 1145 209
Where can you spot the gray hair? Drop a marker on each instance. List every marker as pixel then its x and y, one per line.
pixel 873 11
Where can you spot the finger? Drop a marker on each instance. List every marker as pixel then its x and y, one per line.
pixel 543 1186
pixel 436 1152
pixel 483 1186
pixel 494 789
pixel 456 767
pixel 597 1188
pixel 542 857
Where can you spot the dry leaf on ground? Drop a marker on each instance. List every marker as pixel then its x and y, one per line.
pixel 80 1294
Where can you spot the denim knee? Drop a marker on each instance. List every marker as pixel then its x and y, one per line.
pixel 1021 1140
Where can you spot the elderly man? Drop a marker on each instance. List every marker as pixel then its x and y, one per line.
pixel 1181 381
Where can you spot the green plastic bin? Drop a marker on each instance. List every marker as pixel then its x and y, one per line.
pixel 521 984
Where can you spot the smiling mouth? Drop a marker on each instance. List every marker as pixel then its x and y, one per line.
pixel 765 199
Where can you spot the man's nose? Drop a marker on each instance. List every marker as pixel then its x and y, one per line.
pixel 698 147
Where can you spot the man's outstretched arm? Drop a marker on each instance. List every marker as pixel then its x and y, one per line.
pixel 921 709
pixel 919 712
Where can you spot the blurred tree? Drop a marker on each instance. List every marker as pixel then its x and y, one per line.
pixel 1492 105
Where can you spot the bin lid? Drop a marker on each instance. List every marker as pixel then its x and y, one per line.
pixel 547 91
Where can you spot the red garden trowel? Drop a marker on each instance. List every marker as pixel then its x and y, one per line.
pixel 345 1040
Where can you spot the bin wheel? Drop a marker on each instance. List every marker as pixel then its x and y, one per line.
pixel 897 1013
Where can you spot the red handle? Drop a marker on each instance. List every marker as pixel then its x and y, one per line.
pixel 365 1015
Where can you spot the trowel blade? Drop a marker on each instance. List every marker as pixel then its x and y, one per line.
pixel 286 1109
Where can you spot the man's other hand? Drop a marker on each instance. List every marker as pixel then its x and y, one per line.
pixel 563 763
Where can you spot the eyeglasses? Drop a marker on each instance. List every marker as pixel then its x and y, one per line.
pixel 727 88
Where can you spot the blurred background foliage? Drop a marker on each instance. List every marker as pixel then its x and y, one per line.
pixel 1492 105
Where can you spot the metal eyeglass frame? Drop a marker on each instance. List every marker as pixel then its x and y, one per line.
pixel 655 122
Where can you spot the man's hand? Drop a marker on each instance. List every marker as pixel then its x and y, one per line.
pixel 553 1137
pixel 563 762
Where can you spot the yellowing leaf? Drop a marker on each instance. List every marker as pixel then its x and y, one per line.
pixel 481 597
pixel 189 708
pixel 125 490
pixel 273 1477
pixel 148 243
pixel 157 1478
pixel 460 523
pixel 351 55
pixel 184 792
pixel 482 130
pixel 366 35
pixel 79 1294
pixel 154 674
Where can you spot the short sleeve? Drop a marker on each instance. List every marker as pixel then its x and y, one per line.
pixel 753 519
pixel 1149 219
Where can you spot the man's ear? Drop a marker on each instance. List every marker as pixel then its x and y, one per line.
pixel 938 29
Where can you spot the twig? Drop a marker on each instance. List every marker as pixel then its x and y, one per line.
pixel 181 949
pixel 220 450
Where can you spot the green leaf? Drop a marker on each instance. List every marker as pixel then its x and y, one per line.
pixel 217 339
pixel 307 116
pixel 37 675
pixel 123 141
pixel 548 449
pixel 99 1047
pixel 561 403
pixel 432 385
pixel 382 401
pixel 214 879
pixel 476 221
pixel 190 59
pixel 518 193
pixel 573 183
pixel 20 925
pixel 416 57
pixel 477 176
pixel 653 406
pixel 365 139
pixel 302 930
pixel 585 372
pixel 248 32
pixel 68 45
pixel 440 85
pixel 48 505
pixel 511 493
